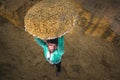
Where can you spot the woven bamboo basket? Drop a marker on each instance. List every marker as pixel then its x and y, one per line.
pixel 50 19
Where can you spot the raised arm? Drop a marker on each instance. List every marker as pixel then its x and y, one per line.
pixel 61 45
pixel 40 42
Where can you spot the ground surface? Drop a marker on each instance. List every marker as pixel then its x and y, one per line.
pixel 85 58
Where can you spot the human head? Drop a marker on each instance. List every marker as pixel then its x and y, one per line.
pixel 52 44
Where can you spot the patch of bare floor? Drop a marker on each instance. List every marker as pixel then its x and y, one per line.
pixel 85 58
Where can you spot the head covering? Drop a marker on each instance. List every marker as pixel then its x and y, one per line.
pixel 53 41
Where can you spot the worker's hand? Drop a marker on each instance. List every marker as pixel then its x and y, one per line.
pixel 60 36
pixel 45 40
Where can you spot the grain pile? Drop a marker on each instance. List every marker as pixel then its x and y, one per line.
pixel 49 19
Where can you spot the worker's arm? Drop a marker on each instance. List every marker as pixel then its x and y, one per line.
pixel 40 42
pixel 61 45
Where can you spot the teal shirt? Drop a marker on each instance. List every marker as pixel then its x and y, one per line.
pixel 57 54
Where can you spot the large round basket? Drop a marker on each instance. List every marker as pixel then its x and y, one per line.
pixel 49 19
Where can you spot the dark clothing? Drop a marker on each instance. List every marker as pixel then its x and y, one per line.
pixel 58 66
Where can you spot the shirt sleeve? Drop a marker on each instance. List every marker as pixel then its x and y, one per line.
pixel 40 42
pixel 61 45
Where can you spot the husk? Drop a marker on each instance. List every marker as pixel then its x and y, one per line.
pixel 49 19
